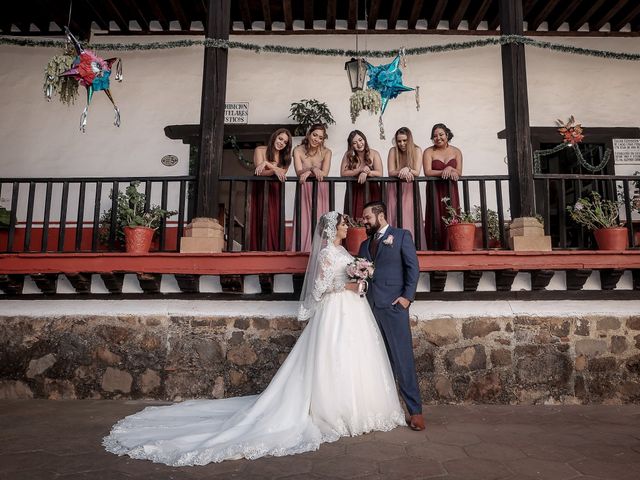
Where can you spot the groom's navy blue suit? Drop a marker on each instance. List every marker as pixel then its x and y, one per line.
pixel 396 275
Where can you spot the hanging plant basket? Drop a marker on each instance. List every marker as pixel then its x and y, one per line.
pixel 369 100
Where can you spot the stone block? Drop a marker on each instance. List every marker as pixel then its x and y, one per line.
pixel 241 323
pixel 618 344
pixel 530 244
pixel 149 381
pixel 242 355
pixel 115 380
pixel 40 365
pixel 633 323
pixel 218 388
pixel 590 347
pixel 201 245
pixel 466 359
pixel 59 389
pixel 260 323
pixel 582 327
pixel 580 363
pixel 528 231
pixel 13 390
pixel 542 365
pixel 501 358
pixel 521 222
pixel 202 235
pixel 479 328
pixel 237 378
pixel 106 357
pixel 443 387
pixel 608 323
pixel 603 365
pixel 484 389
pixel 440 331
pixel 637 340
pixel 633 364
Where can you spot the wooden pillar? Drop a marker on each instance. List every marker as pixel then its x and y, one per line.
pixel 516 112
pixel 214 88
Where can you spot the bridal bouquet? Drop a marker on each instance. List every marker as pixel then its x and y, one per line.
pixel 360 270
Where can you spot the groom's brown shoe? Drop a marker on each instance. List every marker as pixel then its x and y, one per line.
pixel 416 422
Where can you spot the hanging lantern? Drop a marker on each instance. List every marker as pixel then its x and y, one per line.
pixel 357 72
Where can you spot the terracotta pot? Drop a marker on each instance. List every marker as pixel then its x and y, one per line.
pixel 615 238
pixel 477 241
pixel 461 237
pixel 138 239
pixel 355 236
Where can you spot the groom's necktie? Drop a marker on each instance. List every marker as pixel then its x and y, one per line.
pixel 373 244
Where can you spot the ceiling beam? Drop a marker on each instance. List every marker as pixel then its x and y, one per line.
pixel 266 14
pixel 178 11
pixel 586 15
pixel 628 18
pixel 436 16
pixel 374 11
pixel 479 15
pixel 352 21
pixel 97 17
pixel 331 15
pixel 458 15
pixel 608 15
pixel 414 16
pixel 394 14
pixel 116 16
pixel 288 14
pixel 245 13
pixel 308 14
pixel 158 14
pixel 134 7
pixel 542 15
pixel 527 7
pixel 559 19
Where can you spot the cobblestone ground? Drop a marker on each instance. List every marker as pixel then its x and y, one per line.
pixel 43 439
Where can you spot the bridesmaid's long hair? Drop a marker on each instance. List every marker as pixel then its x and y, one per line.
pixel 313 128
pixel 352 156
pixel 285 153
pixel 408 158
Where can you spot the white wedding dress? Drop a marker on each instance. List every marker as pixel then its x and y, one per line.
pixel 336 381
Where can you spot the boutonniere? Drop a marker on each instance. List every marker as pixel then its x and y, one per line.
pixel 388 241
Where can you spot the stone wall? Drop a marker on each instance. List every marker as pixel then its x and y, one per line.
pixel 507 359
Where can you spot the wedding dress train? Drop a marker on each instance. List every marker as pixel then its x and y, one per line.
pixel 336 381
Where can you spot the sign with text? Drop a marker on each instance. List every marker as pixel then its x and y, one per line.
pixel 626 150
pixel 236 113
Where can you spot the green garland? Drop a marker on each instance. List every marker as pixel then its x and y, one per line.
pixel 538 154
pixel 331 52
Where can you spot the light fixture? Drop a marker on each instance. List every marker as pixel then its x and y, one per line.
pixel 357 72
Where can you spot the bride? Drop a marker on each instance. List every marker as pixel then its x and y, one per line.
pixel 336 381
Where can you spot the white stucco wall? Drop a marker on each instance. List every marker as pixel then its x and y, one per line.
pixel 462 89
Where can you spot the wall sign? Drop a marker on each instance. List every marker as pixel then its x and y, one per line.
pixel 626 150
pixel 169 160
pixel 236 113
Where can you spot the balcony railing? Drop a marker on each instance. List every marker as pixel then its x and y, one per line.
pixel 79 214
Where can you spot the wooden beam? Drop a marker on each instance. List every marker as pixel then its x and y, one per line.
pixel 436 15
pixel 494 22
pixel 288 14
pixel 113 281
pixel 516 111
pixel 352 20
pixel 606 16
pixel 122 23
pixel 178 11
pixel 458 15
pixel 628 18
pixel 527 7
pixel 542 15
pixel 214 87
pixel 97 17
pixel 12 284
pixel 150 282
pixel 46 282
pixel 609 277
pixel 138 14
pixel 308 14
pixel 479 15
pixel 158 14
pixel 245 13
pixel 394 14
pixel 374 12
pixel 266 14
pixel 587 15
pixel 568 9
pixel 414 16
pixel 331 14
pixel 81 281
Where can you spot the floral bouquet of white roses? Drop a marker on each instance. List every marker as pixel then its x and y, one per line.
pixel 360 270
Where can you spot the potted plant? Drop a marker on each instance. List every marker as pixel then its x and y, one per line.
pixel 493 228
pixel 307 112
pixel 5 222
pixel 602 217
pixel 356 234
pixel 461 227
pixel 369 100
pixel 134 224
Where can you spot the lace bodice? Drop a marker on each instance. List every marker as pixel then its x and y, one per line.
pixel 332 274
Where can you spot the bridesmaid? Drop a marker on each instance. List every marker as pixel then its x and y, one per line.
pixel 403 162
pixel 270 160
pixel 361 162
pixel 444 161
pixel 311 160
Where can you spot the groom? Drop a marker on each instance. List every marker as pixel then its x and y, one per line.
pixel 391 291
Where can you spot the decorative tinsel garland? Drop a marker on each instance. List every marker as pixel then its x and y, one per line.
pixel 538 154
pixel 331 52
